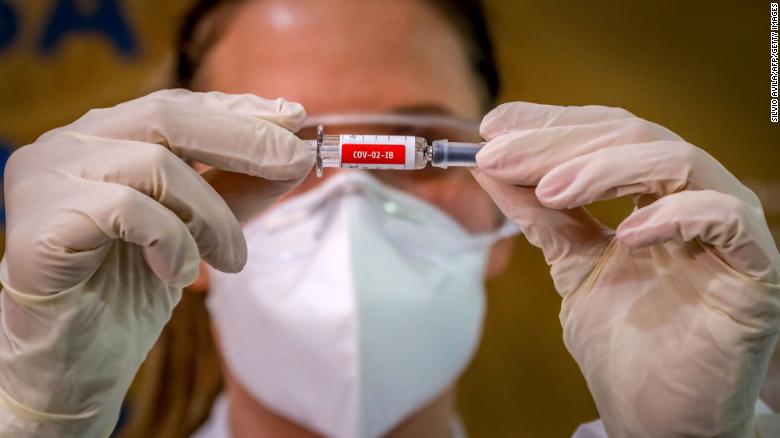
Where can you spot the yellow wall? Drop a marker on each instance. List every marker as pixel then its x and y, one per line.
pixel 700 68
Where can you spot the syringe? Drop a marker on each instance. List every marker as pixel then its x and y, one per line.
pixel 362 151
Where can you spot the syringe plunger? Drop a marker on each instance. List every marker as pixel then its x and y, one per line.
pixel 445 153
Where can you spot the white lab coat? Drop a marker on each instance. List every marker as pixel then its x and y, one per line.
pixel 217 425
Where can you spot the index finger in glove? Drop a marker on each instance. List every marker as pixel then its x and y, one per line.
pixel 610 154
pixel 657 168
pixel 514 116
pixel 523 156
pixel 239 133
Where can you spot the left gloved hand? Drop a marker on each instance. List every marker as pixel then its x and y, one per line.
pixel 673 317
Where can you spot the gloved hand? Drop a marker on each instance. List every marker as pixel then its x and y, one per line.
pixel 672 317
pixel 105 224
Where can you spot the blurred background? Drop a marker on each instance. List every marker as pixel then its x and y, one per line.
pixel 701 69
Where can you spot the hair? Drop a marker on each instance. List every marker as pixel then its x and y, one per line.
pixel 178 382
pixel 203 26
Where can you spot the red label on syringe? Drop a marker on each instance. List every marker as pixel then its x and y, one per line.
pixel 376 151
pixel 352 153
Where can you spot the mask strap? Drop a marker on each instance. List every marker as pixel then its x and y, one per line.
pixel 508 229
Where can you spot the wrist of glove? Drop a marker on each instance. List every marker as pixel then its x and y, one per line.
pixel 64 366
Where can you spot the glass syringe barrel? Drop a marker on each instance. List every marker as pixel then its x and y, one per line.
pixel 390 152
pixel 371 151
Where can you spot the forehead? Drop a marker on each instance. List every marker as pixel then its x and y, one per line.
pixel 345 55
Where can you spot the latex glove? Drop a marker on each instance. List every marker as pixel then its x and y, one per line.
pixel 671 318
pixel 105 224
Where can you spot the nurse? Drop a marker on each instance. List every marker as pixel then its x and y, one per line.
pixel 356 300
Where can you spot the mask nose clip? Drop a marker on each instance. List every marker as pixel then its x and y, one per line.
pixel 352 189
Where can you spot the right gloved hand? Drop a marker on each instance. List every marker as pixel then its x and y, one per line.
pixel 671 317
pixel 106 223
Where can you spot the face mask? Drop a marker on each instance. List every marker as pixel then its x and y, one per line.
pixel 358 305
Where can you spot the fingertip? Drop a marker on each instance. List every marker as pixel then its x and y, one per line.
pixel 232 257
pixel 293 114
pixel 291 174
pixel 185 275
pixel 504 159
pixel 237 251
pixel 234 249
pixel 513 116
pixel 556 203
pixel 631 233
pixel 500 154
pixel 486 158
pixel 279 155
pixel 299 163
pixel 176 265
pixel 239 255
pixel 302 167
pixel 494 122
pixel 624 234
pixel 505 118
pixel 633 239
pixel 280 111
pixel 551 192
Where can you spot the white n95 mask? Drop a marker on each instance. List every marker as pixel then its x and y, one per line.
pixel 358 305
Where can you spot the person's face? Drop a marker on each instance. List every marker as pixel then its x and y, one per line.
pixel 359 56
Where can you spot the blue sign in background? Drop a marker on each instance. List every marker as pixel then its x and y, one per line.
pixel 5 152
pixel 9 25
pixel 106 20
